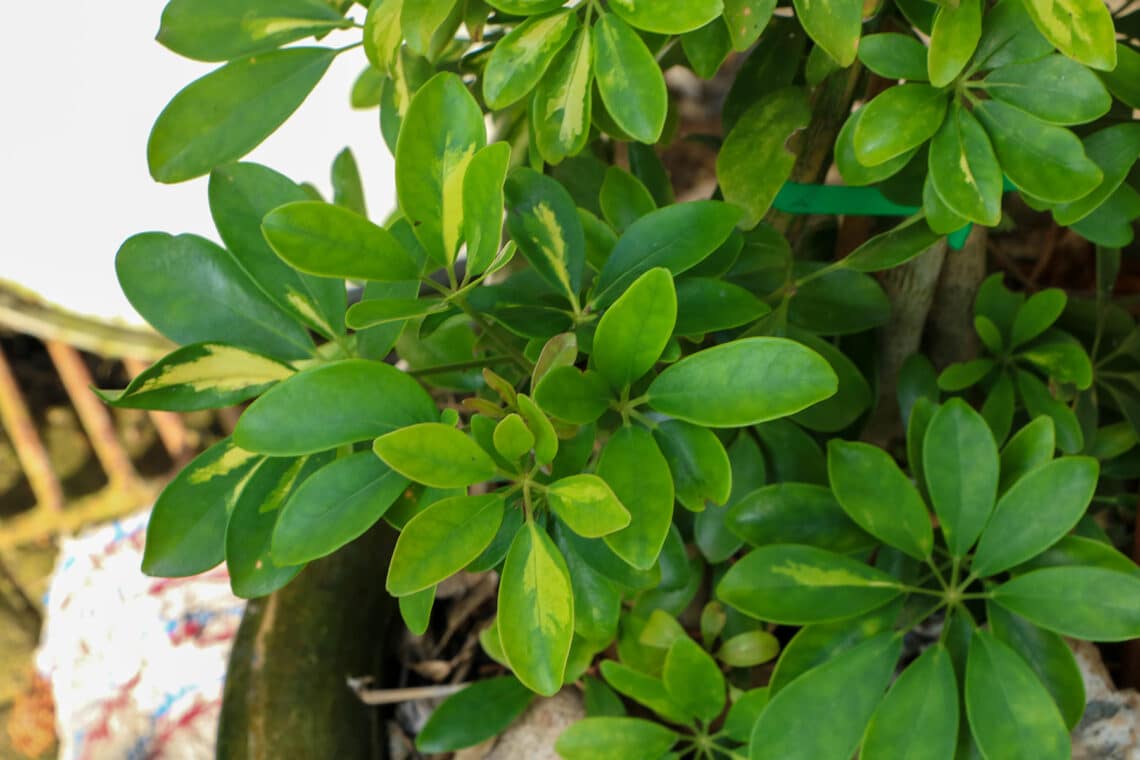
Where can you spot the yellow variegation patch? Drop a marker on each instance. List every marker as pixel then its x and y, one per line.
pixel 232 459
pixel 811 575
pixel 556 252
pixel 454 166
pixel 221 369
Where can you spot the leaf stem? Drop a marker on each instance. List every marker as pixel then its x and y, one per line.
pixel 458 366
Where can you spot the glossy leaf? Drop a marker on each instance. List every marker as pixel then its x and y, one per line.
pixel 634 468
pixel 560 110
pixel 676 237
pixel 698 462
pixel 331 405
pixel 1011 713
pixel 746 20
pixel 668 16
pixel 1009 36
pixel 519 60
pixel 964 170
pixel 633 332
pixel 892 248
pixel 761 135
pixel 627 738
pixel 693 679
pixel 210 300
pixel 332 241
pixel 1030 448
pixel 629 80
pixel 543 221
pixel 573 396
pixel 481 711
pixel 229 112
pixel 834 25
pixel 441 540
pixel 953 38
pixel 1046 161
pixel 623 199
pixel 796 513
pixel 894 56
pixel 187 529
pixel 961 467
pixel 1035 512
pixel 708 304
pixel 897 121
pixel 797 585
pixel 252 570
pixel 587 505
pixel 748 649
pixel 1115 150
pixel 918 719
pixel 436 455
pixel 536 610
pixel 742 383
pixel 1084 602
pixel 442 130
pixel 382 35
pixel 855 173
pixel 879 497
pixel 852 684
pixel 334 506
pixel 1055 89
pixel 1081 29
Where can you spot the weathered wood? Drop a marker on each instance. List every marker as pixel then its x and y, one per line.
pixel 287 692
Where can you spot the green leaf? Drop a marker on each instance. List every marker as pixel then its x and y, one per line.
pixel 252 570
pixel 1061 357
pixel 221 30
pixel 519 60
pixel 1039 401
pixel 894 247
pixel 587 505
pixel 371 312
pixel 633 466
pixel 573 396
pixel 709 304
pixel 1124 80
pixel 746 20
pixel 645 689
pixel 210 300
pixel 964 170
pixel 1035 512
pixel 761 135
pixel 334 506
pixel 633 332
pixel 1011 713
pixel 834 25
pixel 1046 161
pixel 429 26
pixel 1110 225
pixel 1077 550
pixel 879 497
pixel 796 513
pixel 436 455
pixel 851 684
pixel 853 172
pixel 953 39
pixel 1114 149
pixel 1030 448
pixel 560 110
pixel 629 80
pixel 536 610
pixel 331 405
pixel 1009 36
pixel 963 375
pixel 601 701
pixel 187 530
pixel 898 121
pixel 748 649
pixel 543 221
pixel 1036 315
pixel 744 713
pixel 676 237
pixel 240 197
pixel 524 7
pixel 332 241
pixel 483 205
pixel 1081 29
pixel 441 540
pixel 961 467
pixel 667 16
pixel 710 529
pixel 1055 89
pixel 513 438
pixel 627 738
pixel 707 48
pixel 1085 602
pixel 1048 655
pixel 742 383
pixel 442 130
pixel 199 376
pixel 597 599
pixel 697 461
pixel 382 35
pixel 797 585
pixel 694 680
pixel 918 719
pixel 230 111
pixel 894 56
pixel 481 711
pixel 623 199
pixel 348 191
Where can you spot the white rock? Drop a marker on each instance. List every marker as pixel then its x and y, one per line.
pixel 1110 728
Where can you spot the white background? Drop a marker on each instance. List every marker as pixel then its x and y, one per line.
pixel 80 86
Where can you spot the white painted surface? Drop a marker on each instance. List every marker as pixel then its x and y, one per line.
pixel 78 101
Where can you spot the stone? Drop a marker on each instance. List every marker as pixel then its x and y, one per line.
pixel 1110 727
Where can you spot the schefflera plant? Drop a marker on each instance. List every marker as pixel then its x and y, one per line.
pixel 980 539
pixel 616 424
